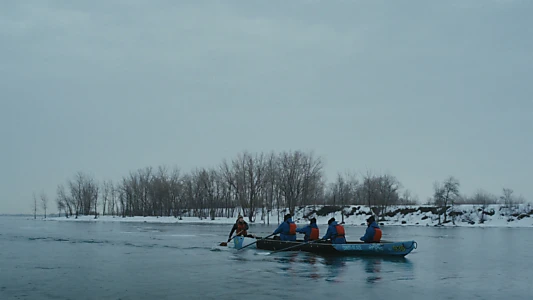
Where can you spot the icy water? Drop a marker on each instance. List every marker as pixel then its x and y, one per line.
pixel 80 260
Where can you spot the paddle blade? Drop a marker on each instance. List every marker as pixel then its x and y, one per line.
pixel 224 244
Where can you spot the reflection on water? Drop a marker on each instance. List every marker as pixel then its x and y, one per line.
pixel 333 268
pixel 289 264
pixel 314 271
pixel 373 268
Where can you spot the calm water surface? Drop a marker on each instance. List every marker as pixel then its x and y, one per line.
pixel 80 260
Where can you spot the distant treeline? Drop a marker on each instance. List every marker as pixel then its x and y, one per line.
pixel 250 183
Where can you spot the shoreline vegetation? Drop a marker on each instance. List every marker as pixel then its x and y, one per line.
pixel 261 186
pixel 355 215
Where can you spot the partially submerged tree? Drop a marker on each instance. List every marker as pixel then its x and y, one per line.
pixel 63 201
pixel 83 193
pixel 44 202
pixel 61 207
pixel 34 206
pixel 107 187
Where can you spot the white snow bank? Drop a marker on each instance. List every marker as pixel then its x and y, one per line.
pixel 355 215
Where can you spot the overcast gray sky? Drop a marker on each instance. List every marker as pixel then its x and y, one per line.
pixel 420 89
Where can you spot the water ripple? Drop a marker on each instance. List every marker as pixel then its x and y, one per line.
pixel 46 268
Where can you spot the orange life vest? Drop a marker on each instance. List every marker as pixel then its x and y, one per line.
pixel 377 235
pixel 241 229
pixel 314 234
pixel 292 229
pixel 340 231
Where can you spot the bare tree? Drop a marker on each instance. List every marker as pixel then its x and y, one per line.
pixel 63 202
pixel 369 191
pixel 95 200
pixel 388 192
pixel 175 193
pixel 122 197
pixel 379 192
pixel 438 197
pixel 34 206
pixel 106 193
pixel 508 199
pixel 313 179
pixel 343 191
pixel 299 174
pixel 227 174
pixel 44 202
pixel 445 195
pixel 255 172
pixel 271 183
pixel 408 199
pixel 483 199
pixel 238 180
pixel 60 207
pixel 113 205
pixel 83 194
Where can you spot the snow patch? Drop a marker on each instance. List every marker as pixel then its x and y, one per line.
pixel 356 215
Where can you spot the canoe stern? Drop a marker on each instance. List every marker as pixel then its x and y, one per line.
pixel 240 242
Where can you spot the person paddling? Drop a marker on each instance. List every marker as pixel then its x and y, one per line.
pixel 335 232
pixel 373 232
pixel 311 231
pixel 240 226
pixel 287 229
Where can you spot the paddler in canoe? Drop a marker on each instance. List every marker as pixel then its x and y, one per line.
pixel 373 232
pixel 311 231
pixel 335 233
pixel 240 227
pixel 287 229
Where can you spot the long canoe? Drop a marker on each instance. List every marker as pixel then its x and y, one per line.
pixel 385 248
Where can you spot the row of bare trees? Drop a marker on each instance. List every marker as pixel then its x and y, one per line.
pixel 249 182
pixel 378 192
pixel 79 197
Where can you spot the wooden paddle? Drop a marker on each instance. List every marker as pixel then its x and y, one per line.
pixel 296 246
pixel 257 241
pixel 224 244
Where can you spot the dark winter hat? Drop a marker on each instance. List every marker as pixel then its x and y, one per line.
pixel 371 219
pixel 313 220
pixel 331 221
pixel 287 216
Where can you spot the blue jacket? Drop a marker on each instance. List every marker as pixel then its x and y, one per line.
pixel 369 234
pixel 332 234
pixel 307 230
pixel 284 229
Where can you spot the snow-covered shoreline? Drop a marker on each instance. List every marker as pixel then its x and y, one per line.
pixel 466 216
